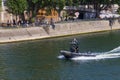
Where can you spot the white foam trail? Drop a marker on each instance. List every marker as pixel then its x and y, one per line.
pixel 97 57
pixel 116 50
pixel 61 57
pixel 115 53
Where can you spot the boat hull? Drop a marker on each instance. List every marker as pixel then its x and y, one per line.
pixel 68 54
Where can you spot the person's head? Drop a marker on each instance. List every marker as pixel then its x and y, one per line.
pixel 74 39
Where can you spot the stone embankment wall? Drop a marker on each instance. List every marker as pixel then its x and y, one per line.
pixel 61 29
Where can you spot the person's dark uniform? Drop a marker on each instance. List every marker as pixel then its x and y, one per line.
pixel 74 46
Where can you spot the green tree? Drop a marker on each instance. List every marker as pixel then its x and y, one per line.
pixel 60 4
pixel 118 2
pixel 0 5
pixel 17 7
pixel 33 7
pixel 0 2
pixel 72 2
pixel 57 5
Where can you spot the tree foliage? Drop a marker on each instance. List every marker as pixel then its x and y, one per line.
pixel 16 7
pixel 0 4
pixel 34 6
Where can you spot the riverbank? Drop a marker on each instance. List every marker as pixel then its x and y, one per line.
pixel 60 29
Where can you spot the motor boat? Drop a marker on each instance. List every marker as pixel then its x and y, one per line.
pixel 74 51
pixel 68 54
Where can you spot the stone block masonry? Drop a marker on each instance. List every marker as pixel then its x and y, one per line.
pixel 61 29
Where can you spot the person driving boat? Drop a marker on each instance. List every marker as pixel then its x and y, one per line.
pixel 74 46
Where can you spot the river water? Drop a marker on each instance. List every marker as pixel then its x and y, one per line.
pixel 38 60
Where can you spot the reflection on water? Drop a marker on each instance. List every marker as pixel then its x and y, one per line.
pixel 37 60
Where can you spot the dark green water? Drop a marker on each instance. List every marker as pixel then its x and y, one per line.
pixel 37 60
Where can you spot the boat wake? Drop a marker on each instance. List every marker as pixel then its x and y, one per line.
pixel 115 53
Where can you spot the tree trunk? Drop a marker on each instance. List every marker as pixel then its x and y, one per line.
pixel 22 16
pixel 97 9
pixel 59 16
pixel 16 17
